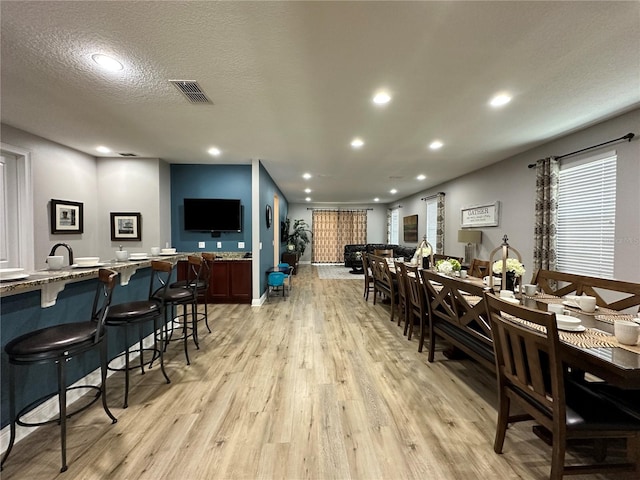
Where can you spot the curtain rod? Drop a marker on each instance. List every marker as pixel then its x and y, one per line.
pixel 340 209
pixel 628 137
pixel 432 196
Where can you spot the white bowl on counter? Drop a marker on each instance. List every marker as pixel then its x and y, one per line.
pixel 168 251
pixel 87 261
pixel 122 255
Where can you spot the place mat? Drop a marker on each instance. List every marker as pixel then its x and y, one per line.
pixel 590 338
pixel 610 318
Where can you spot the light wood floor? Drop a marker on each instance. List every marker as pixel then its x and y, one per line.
pixel 320 385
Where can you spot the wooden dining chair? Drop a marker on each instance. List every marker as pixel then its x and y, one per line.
pixel 403 297
pixel 530 376
pixel 383 283
pixel 479 268
pixel 416 304
pixel 368 276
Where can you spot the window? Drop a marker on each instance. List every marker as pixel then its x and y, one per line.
pixel 586 216
pixel 432 222
pixel 394 227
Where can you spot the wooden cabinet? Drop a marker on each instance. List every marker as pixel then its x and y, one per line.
pixel 292 260
pixel 230 281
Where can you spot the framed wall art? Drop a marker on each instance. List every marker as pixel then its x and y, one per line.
pixel 410 229
pixel 126 226
pixel 66 216
pixel 484 215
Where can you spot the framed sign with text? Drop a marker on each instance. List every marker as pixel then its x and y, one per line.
pixel 484 215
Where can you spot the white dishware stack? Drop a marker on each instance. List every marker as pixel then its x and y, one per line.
pixel 87 261
pixel 155 251
pixel 565 322
pixel 138 256
pixel 168 251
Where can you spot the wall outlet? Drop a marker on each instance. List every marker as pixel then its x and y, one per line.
pixel 240 244
pixel 219 244
pixel 260 245
pixel 200 244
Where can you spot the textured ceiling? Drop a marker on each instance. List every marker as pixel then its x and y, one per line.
pixel 291 83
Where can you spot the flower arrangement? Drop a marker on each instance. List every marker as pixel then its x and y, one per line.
pixel 448 266
pixel 513 265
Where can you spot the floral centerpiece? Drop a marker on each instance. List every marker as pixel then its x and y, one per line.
pixel 513 265
pixel 448 266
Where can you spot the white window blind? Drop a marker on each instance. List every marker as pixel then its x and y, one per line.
pixel 432 222
pixel 394 230
pixel 586 217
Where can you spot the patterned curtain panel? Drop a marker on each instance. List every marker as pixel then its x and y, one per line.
pixel 546 209
pixel 440 229
pixel 389 225
pixel 333 229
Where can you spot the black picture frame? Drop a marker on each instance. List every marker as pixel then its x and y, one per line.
pixel 67 217
pixel 126 226
pixel 269 215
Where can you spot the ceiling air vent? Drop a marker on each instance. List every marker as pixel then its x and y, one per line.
pixel 191 90
pixel 128 154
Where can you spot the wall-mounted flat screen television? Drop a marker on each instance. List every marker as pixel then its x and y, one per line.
pixel 212 215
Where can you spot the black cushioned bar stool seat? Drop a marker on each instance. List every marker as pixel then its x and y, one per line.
pixel 57 344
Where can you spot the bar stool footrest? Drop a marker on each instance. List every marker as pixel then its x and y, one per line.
pixel 42 399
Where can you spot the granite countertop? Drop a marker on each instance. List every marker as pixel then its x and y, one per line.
pixel 38 278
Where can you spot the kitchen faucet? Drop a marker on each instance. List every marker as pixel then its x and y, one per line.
pixel 55 247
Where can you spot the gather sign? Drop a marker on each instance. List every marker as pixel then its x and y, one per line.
pixel 484 215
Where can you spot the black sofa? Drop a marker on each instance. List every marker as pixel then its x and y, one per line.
pixel 351 260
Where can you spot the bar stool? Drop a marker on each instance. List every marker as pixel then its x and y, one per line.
pixel 275 280
pixel 285 266
pixel 202 285
pixel 125 315
pixel 58 344
pixel 185 296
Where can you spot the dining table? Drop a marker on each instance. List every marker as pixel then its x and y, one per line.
pixel 594 350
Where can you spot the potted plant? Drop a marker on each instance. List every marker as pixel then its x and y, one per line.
pixel 298 237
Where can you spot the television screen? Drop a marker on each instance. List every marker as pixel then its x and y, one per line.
pixel 212 214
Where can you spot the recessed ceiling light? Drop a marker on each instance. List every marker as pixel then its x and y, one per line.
pixel 393 191
pixel 376 199
pixel 306 176
pixel 308 199
pixel 381 98
pixel 435 145
pixel 215 151
pixel 307 190
pixel 103 149
pixel 421 177
pixel 357 143
pixel 500 100
pixel 106 62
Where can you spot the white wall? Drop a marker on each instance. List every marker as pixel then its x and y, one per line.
pixel 513 184
pixel 62 173
pixel 103 186
pixel 132 185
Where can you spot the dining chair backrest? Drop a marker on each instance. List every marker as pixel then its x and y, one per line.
pixel 403 296
pixel 387 253
pixel 160 279
pixel 479 268
pixel 368 276
pixel 528 362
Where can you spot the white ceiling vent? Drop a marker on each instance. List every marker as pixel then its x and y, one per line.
pixel 191 90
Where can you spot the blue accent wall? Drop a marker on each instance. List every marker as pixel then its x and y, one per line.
pixel 268 189
pixel 210 181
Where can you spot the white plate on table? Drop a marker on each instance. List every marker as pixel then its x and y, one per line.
pixel 579 328
pixel 100 264
pixel 510 300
